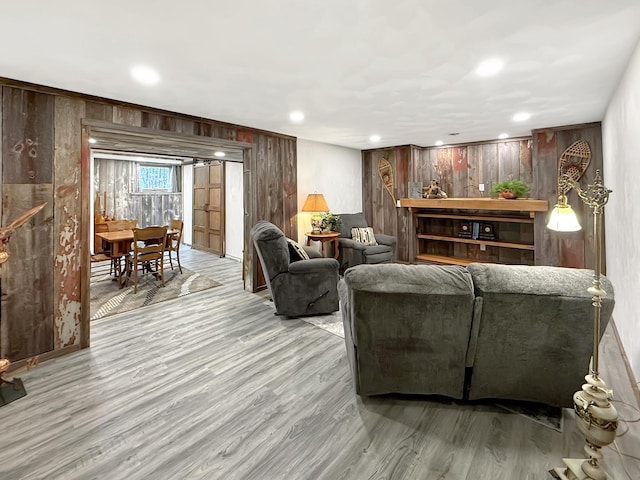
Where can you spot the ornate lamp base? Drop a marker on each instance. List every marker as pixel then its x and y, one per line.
pixel 573 471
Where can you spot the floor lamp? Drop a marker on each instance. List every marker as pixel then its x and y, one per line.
pixel 597 418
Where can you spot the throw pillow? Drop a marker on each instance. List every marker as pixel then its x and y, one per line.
pixel 296 252
pixel 364 235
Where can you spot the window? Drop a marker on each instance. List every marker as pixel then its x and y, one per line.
pixel 155 178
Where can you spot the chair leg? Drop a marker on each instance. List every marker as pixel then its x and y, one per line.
pixel 161 270
pixel 178 259
pixel 170 260
pixel 135 278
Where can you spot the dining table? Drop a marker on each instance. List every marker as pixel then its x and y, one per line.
pixel 119 245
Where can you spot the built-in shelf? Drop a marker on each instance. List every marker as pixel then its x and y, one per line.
pixel 423 257
pixel 495 204
pixel 471 241
pixel 442 229
pixel 488 218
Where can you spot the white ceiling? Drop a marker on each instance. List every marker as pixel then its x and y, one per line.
pixel 402 69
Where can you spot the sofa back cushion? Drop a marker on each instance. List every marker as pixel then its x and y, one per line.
pixel 351 220
pixel 533 337
pixel 410 325
pixel 272 248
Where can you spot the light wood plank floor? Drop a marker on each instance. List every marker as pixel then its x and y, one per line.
pixel 214 386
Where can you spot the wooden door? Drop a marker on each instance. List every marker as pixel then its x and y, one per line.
pixel 208 208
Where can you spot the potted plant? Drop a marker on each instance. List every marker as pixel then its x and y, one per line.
pixel 331 222
pixel 510 189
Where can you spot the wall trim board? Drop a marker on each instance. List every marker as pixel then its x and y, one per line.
pixel 561 128
pixel 635 384
pixel 32 362
pixel 8 82
pixel 450 145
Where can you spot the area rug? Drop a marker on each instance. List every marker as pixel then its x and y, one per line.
pixel 332 323
pixel 550 417
pixel 107 299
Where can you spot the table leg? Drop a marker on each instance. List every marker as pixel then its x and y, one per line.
pixel 335 248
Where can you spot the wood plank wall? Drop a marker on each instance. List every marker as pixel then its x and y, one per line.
pixel 461 168
pixel 118 179
pixel 43 305
pixel 567 249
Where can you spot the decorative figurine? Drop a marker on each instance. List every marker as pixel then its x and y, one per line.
pixel 434 191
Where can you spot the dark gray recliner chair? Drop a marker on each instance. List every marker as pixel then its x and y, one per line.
pixel 304 287
pixel 353 253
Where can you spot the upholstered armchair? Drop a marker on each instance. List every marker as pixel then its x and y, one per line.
pixel 297 288
pixel 353 252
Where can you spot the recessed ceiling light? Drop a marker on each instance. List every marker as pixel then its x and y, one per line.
pixel 489 67
pixel 92 140
pixel 374 138
pixel 439 143
pixel 296 117
pixel 219 154
pixel 502 136
pixel 521 117
pixel 145 75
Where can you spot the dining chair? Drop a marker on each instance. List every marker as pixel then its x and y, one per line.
pixel 100 250
pixel 148 249
pixel 118 226
pixel 174 241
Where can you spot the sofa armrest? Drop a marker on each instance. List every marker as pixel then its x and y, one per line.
pixel 312 252
pixel 303 267
pixel 383 239
pixel 350 243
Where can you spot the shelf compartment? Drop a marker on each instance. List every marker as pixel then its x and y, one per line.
pixel 486 218
pixel 425 257
pixel 493 243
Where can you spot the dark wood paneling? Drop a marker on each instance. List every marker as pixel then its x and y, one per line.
pixel 462 168
pixel 289 187
pixel 127 116
pixel 99 111
pixel 30 155
pixel 566 249
pixel 489 166
pixel 27 136
pixel 460 172
pixel 508 161
pixel 27 276
pixel 67 233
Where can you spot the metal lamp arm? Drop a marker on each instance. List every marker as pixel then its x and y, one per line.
pixel 596 195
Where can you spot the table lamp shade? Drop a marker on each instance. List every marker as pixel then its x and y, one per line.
pixel 315 202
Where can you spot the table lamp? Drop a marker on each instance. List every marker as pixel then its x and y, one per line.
pixel 315 203
pixel 597 417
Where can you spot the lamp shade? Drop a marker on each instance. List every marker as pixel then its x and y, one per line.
pixel 563 219
pixel 315 202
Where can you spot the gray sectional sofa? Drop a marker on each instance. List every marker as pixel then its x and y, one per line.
pixel 485 331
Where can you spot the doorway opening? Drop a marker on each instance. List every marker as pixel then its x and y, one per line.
pixel 171 160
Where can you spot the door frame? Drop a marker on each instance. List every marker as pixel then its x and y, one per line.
pixel 127 138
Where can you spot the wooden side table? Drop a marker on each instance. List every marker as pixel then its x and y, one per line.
pixel 323 238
